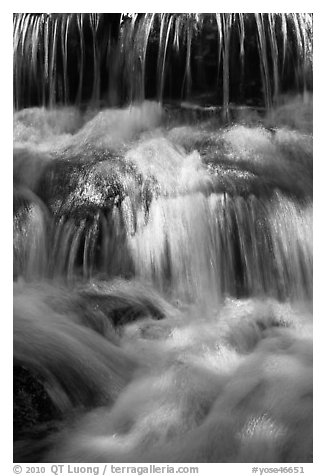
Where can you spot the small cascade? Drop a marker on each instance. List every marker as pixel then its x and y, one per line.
pixel 115 57
pixel 198 227
pixel 162 238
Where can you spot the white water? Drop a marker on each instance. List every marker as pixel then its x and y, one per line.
pixel 164 284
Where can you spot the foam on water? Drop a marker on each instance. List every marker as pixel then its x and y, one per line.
pixel 222 385
pixel 164 285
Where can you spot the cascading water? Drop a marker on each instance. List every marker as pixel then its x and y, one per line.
pixel 160 56
pixel 163 248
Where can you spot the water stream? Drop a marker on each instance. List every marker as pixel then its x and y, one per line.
pixel 162 252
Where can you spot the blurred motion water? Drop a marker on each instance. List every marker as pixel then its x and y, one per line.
pixel 163 294
pixel 163 189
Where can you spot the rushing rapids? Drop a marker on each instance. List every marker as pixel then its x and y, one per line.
pixel 162 252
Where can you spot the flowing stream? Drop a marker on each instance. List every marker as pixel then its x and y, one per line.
pixel 162 255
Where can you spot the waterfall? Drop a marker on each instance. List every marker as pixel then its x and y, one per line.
pixel 163 259
pixel 42 54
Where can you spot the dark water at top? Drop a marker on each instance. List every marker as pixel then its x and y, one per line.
pixel 220 58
